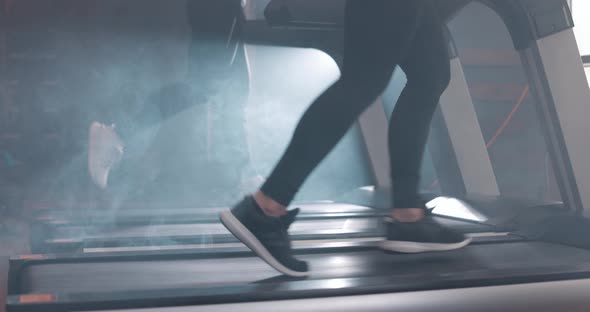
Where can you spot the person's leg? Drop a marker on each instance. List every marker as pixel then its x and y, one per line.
pixel 215 54
pixel 427 69
pixel 132 134
pixel 377 35
pixel 216 36
pixel 219 70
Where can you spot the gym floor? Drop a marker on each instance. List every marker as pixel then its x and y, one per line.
pixel 13 241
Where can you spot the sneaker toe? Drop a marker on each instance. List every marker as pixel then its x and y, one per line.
pixel 298 265
pixel 290 262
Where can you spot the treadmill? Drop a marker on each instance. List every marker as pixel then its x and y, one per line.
pixel 531 255
pixel 325 221
pixel 168 214
pixel 58 231
pixel 224 276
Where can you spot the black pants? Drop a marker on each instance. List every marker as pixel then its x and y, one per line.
pixel 217 86
pixel 379 35
pixel 218 76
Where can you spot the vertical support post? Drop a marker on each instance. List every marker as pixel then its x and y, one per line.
pixel 459 118
pixel 559 84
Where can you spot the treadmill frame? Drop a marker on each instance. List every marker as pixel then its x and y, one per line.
pixel 281 288
pixel 547 48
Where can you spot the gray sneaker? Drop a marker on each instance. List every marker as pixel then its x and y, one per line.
pixel 267 237
pixel 105 150
pixel 426 235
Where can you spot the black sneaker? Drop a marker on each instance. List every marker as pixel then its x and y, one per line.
pixel 266 236
pixel 426 235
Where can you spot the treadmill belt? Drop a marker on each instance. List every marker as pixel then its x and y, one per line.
pixel 178 230
pixel 328 226
pixel 176 274
pixel 306 209
pixel 352 225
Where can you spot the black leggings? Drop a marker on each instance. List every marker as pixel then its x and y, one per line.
pixel 218 80
pixel 218 73
pixel 379 35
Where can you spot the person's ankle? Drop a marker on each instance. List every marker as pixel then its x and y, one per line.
pixel 408 215
pixel 269 206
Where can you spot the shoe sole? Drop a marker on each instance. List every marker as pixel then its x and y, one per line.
pixel 98 174
pixel 236 227
pixel 413 247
